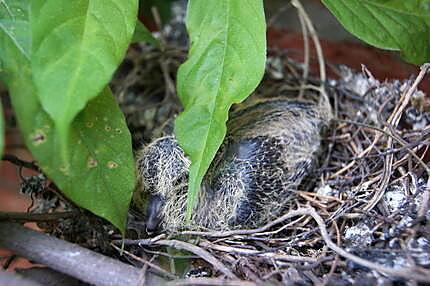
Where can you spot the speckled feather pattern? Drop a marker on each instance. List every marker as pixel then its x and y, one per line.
pixel 270 147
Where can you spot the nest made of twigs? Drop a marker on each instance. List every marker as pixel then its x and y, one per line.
pixel 362 216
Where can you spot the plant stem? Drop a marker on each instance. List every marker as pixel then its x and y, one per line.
pixel 68 258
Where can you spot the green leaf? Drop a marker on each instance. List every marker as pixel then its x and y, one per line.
pixel 99 174
pixel 76 47
pixel 15 37
pixel 142 34
pixel 14 44
pixel 225 64
pixel 402 25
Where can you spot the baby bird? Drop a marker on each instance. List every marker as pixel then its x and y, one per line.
pixel 271 145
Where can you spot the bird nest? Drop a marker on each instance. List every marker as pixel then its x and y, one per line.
pixel 361 216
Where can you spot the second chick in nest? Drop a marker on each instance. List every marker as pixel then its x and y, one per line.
pixel 271 145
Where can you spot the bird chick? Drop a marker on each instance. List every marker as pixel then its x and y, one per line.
pixel 271 145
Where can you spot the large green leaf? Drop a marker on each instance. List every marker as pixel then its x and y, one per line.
pixel 402 25
pixel 76 47
pixel 15 37
pixel 14 43
pixel 225 64
pixel 99 172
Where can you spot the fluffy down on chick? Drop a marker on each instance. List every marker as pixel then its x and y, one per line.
pixel 271 145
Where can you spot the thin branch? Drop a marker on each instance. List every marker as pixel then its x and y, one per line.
pixel 157 269
pixel 264 228
pixel 35 217
pixel 68 258
pixel 243 251
pixel 412 273
pixel 21 163
pixel 305 72
pixel 210 282
pixel 317 44
pixel 393 121
pixel 177 244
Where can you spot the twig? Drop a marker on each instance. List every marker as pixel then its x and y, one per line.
pixel 21 163
pixel 8 261
pixel 318 49
pixel 371 146
pixel 68 258
pixel 242 251
pixel 305 72
pixel 210 282
pixel 277 14
pixel 177 244
pixel 336 259
pixel 159 24
pixel 411 273
pixel 279 220
pixel 142 274
pixel 35 217
pixel 155 267
pixel 170 85
pixel 394 121
pixel 390 135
